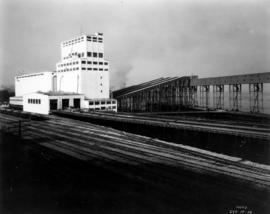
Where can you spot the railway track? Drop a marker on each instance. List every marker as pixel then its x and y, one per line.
pixel 220 128
pixel 90 142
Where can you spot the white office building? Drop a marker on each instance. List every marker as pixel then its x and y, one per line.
pixel 81 80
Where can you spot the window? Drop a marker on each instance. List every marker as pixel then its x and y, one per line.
pixel 95 63
pixel 113 102
pixel 28 100
pixel 101 69
pixel 74 63
pixel 83 68
pixel 101 91
pixel 77 62
pixel 95 69
pixel 89 62
pixel 105 63
pixel 100 84
pixel 100 63
pixel 102 108
pixel 114 107
pixel 94 54
pixel 91 103
pixel 97 103
pixel 89 69
pixel 100 77
pixel 34 101
pixel 108 102
pixel 83 62
pixel 89 54
pixel 106 69
pixel 100 55
pixel 103 103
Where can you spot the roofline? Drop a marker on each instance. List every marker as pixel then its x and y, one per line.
pixel 165 81
pixel 95 34
pixel 34 73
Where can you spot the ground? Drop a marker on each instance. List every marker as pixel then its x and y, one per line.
pixel 36 180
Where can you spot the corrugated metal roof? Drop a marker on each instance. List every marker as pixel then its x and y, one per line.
pixel 136 88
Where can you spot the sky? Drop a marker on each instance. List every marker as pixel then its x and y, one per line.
pixel 144 39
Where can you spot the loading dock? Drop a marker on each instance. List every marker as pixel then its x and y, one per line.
pixel 53 104
pixel 65 103
pixel 43 103
pixel 77 103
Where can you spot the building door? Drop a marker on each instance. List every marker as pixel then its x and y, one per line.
pixel 65 103
pixel 53 105
pixel 77 103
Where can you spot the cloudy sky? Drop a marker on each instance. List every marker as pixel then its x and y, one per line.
pixel 144 39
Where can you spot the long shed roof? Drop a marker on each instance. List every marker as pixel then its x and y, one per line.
pixel 139 87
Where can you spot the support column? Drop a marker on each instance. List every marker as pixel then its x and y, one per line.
pixel 218 96
pixel 235 96
pixel 256 97
pixel 204 96
pixel 193 96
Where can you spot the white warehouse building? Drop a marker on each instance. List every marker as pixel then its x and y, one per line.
pixel 82 68
pixel 81 80
pixel 43 81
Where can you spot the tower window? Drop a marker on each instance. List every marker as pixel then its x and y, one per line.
pixel 89 54
pixel 100 55
pixel 101 63
pixel 95 63
pixel 83 62
pixel 94 54
pixel 89 62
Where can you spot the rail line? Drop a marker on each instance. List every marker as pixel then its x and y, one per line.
pixel 245 131
pixel 93 142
